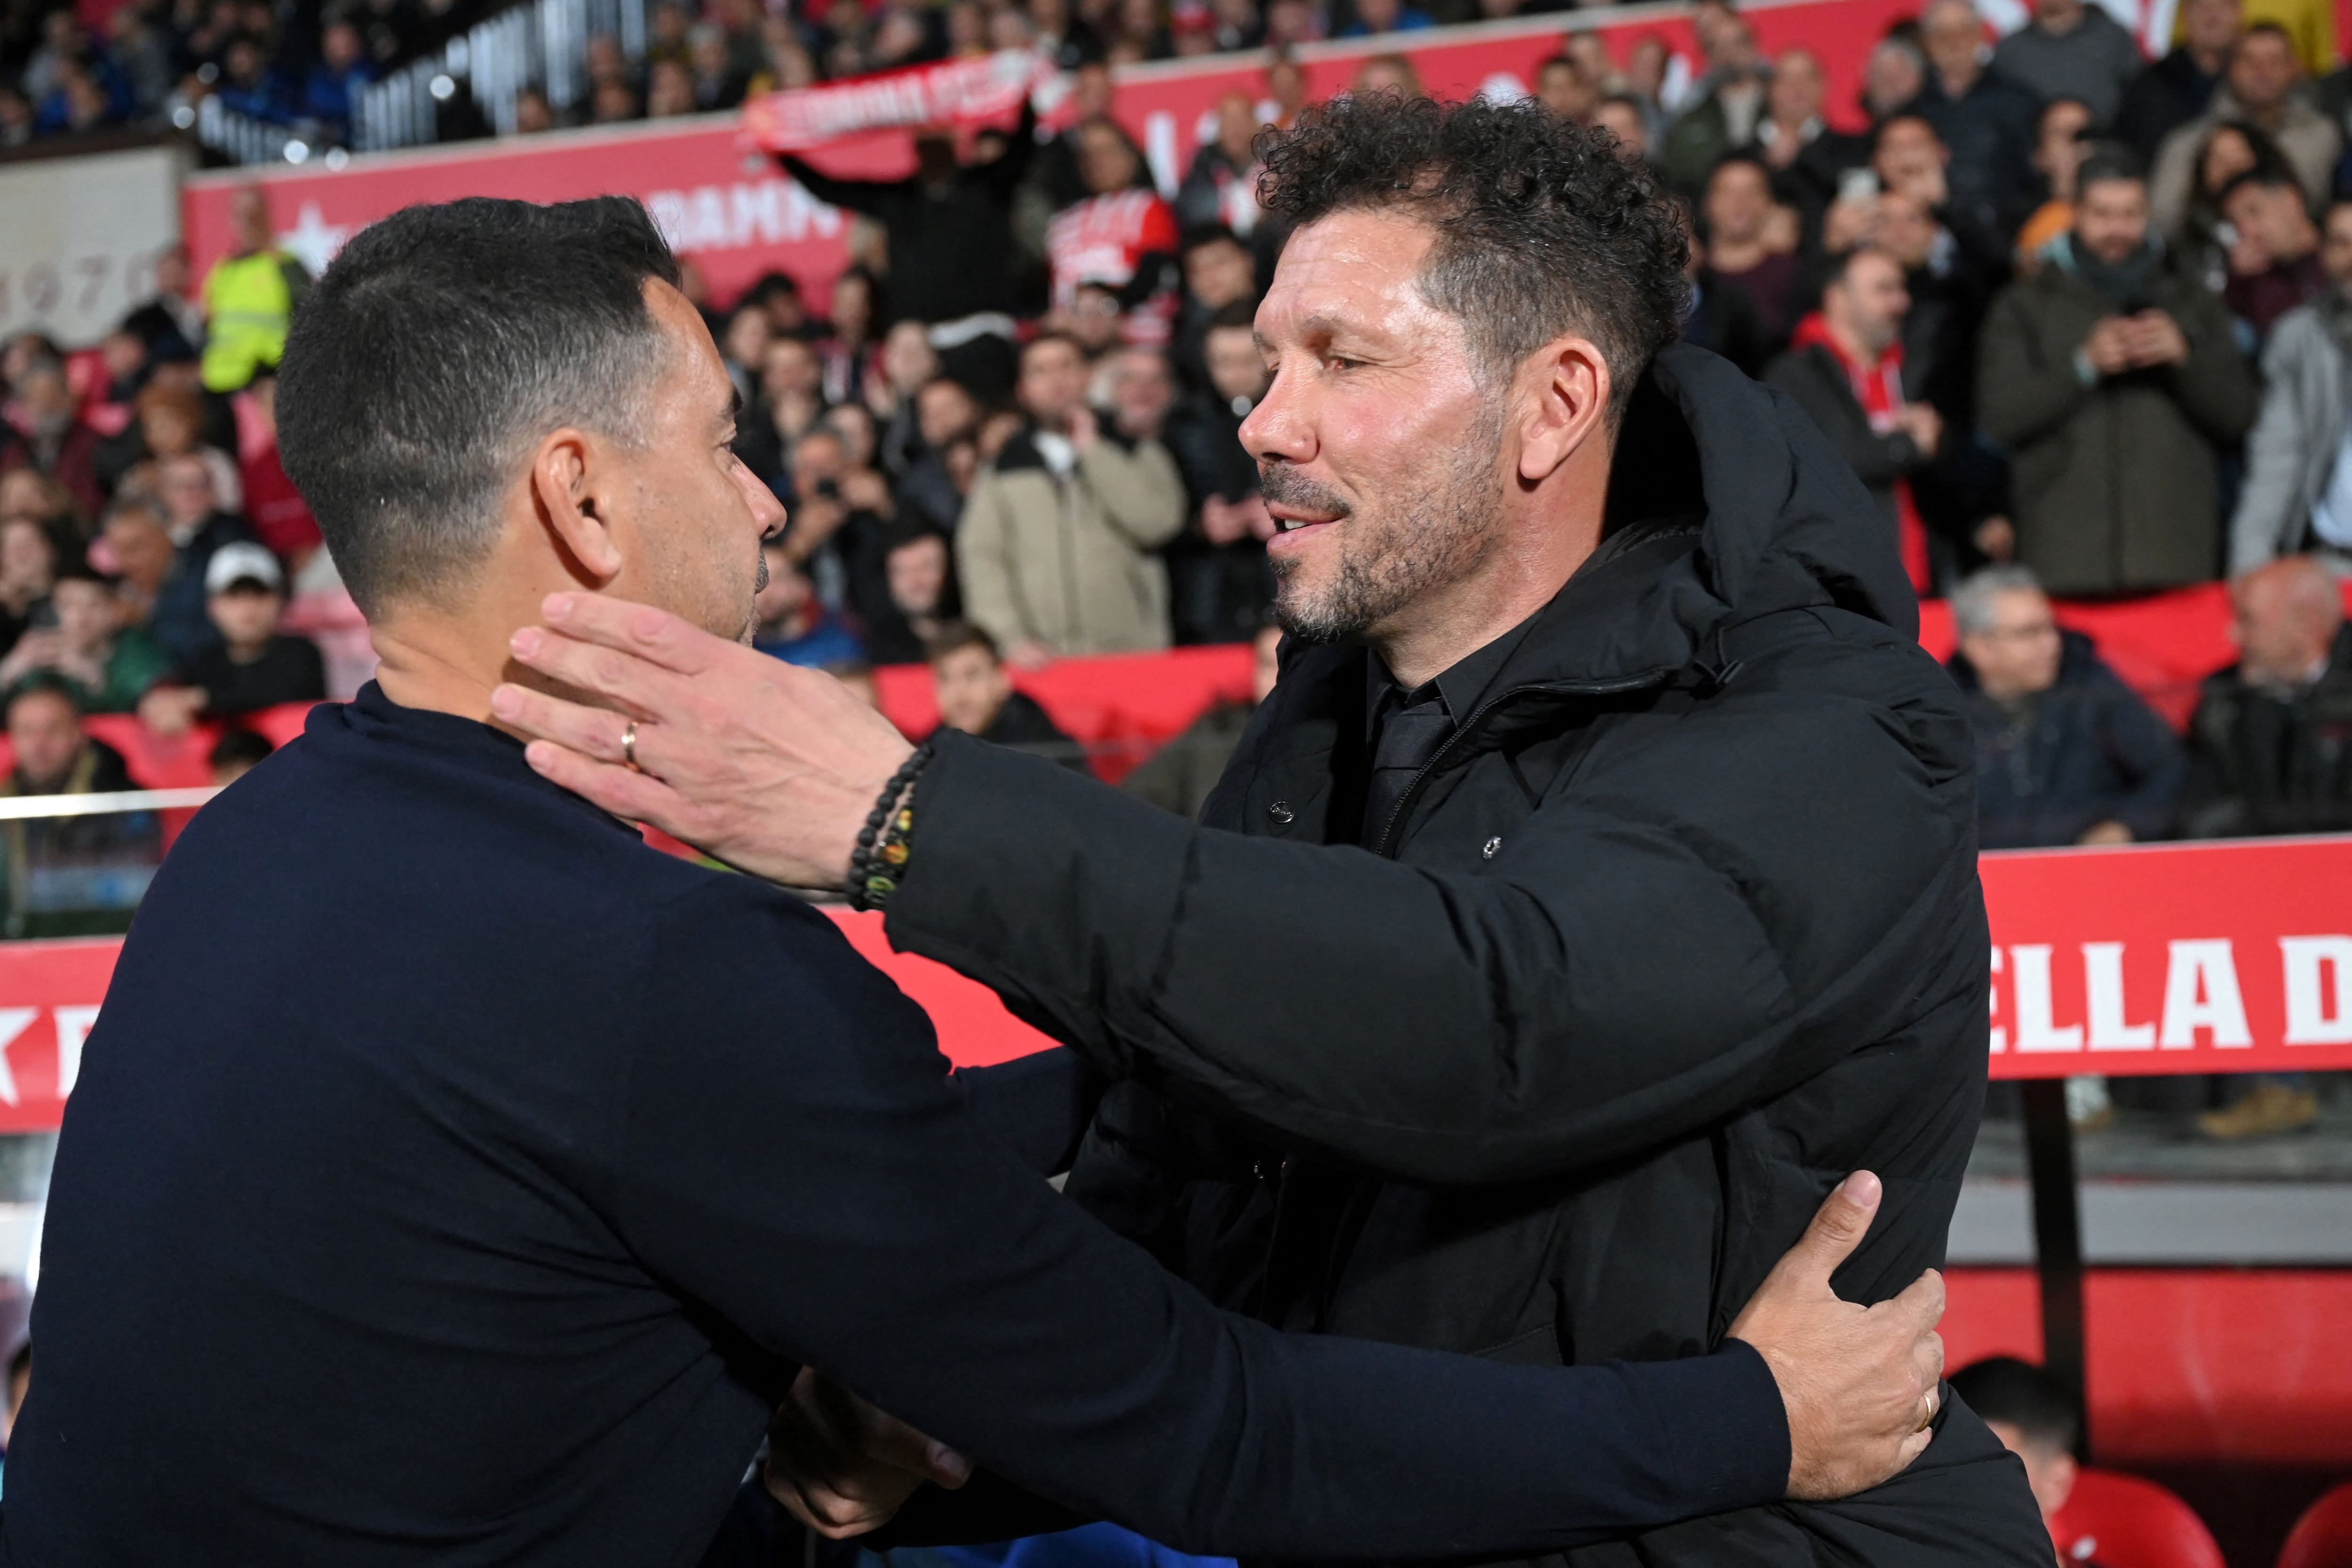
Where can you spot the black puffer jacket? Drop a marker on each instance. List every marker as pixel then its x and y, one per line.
pixel 1680 928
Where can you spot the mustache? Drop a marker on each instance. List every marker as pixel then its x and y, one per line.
pixel 1282 485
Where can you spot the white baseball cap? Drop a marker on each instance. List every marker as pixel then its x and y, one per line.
pixel 242 561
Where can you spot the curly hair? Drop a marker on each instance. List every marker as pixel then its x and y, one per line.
pixel 1542 227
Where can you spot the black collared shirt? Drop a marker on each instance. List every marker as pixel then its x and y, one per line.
pixel 1403 730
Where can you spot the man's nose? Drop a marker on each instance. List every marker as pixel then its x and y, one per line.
pixel 1280 426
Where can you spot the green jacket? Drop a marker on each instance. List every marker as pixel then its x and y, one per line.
pixel 2115 477
pixel 137 665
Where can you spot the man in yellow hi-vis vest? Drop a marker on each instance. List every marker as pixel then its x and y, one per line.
pixel 249 297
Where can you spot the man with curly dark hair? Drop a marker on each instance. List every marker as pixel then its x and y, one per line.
pixel 1596 886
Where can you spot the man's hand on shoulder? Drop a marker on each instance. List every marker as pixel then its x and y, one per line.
pixel 769 767
pixel 1860 1383
pixel 843 1467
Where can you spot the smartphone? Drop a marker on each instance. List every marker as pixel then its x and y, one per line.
pixel 1857 185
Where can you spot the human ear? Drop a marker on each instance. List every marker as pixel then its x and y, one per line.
pixel 570 493
pixel 1561 397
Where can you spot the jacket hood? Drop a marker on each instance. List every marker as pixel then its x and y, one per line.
pixel 1725 503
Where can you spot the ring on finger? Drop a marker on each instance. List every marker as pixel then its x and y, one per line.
pixel 629 747
pixel 1934 1404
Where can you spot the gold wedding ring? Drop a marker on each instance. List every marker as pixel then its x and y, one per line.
pixel 1934 1404
pixel 629 747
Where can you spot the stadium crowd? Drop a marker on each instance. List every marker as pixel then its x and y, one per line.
pixel 2081 323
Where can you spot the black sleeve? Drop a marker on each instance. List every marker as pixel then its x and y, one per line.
pixel 872 197
pixel 788 1152
pixel 1004 173
pixel 1469 1027
pixel 1038 1104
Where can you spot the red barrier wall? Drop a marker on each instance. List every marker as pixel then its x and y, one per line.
pixel 2231 1365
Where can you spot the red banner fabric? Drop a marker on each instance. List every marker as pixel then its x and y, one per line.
pixel 951 93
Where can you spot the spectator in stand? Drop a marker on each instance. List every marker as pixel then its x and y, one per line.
pixel 2070 49
pixel 792 389
pixel 839 511
pixel 1220 273
pixel 110 665
pixel 1057 546
pixel 250 296
pixel 1984 121
pixel 907 362
pixel 2033 1419
pixel 1123 235
pixel 1740 255
pixel 949 229
pixel 2231 149
pixel 2270 744
pixel 273 508
pixel 919 566
pixel 168 321
pixel 45 431
pixel 29 574
pixel 236 754
pixel 669 91
pixel 2275 265
pixel 1725 115
pixel 533 113
pixel 850 342
pixel 1375 16
pixel 2177 89
pixel 1055 172
pixel 1095 320
pixel 1621 115
pixel 2062 142
pixel 718 82
pixel 1845 368
pixel 1179 776
pixel 2116 382
pixel 2297 495
pixel 251 665
pixel 1219 580
pixel 1219 190
pixel 613 102
pixel 199 528
pixel 2311 27
pixel 2260 88
pixel 2270 750
pixel 1893 76
pixel 2066 754
pixel 1805 157
pixel 68 876
pixel 793 623
pixel 975 696
pixel 136 549
pixel 946 415
pixel 1562 87
pixel 170 423
pixel 334 83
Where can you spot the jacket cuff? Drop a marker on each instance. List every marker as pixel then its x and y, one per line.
pixel 1729 1427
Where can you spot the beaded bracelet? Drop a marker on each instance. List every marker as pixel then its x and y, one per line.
pixel 883 843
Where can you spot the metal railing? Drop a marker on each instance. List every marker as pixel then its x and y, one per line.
pixel 541 44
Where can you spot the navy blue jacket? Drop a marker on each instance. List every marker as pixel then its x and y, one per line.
pixel 452 1178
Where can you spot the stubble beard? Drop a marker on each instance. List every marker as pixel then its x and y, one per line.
pixel 1413 545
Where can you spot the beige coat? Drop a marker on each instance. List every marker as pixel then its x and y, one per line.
pixel 1072 563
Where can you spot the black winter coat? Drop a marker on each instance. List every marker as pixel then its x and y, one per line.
pixel 1682 926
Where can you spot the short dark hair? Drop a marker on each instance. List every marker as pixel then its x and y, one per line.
pixel 41 683
pixel 2107 162
pixel 2275 28
pixel 241 746
pixel 2267 179
pixel 1207 233
pixel 441 344
pixel 2003 1388
pixel 957 636
pixel 1541 228
pixel 1050 335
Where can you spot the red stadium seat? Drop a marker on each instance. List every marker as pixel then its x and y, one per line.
pixel 2322 1538
pixel 2122 1521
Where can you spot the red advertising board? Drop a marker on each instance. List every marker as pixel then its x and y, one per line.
pixel 736 217
pixel 2193 958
